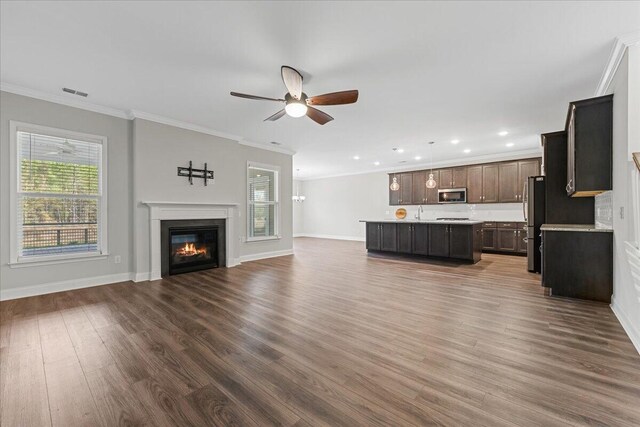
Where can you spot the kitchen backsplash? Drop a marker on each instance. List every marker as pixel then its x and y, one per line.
pixel 484 212
pixel 604 210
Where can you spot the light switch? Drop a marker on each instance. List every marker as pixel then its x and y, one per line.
pixel 621 212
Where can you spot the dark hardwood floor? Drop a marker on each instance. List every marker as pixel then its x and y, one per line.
pixel 331 336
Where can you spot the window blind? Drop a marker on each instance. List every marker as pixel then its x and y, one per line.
pixel 262 202
pixel 59 195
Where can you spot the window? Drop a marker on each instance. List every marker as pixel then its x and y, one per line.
pixel 262 206
pixel 59 207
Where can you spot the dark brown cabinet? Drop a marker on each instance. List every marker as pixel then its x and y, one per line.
pixel 526 168
pixel 474 184
pixel 432 193
pixel 374 231
pixel 490 184
pixel 382 236
pixel 521 241
pixel 419 188
pixel 507 240
pixel 589 146
pixel 459 177
pixel 389 237
pixel 578 264
pixel 460 241
pixel 406 188
pixel 560 209
pixel 439 240
pixel 504 237
pixel 413 239
pixel 485 183
pixel 446 178
pixel 509 184
pixel 420 239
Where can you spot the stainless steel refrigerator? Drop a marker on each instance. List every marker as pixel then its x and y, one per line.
pixel 533 209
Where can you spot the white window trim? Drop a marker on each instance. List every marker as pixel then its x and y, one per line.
pixel 276 235
pixel 14 260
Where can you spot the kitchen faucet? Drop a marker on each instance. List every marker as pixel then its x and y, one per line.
pixel 418 216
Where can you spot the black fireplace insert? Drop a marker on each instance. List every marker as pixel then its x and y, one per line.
pixel 192 245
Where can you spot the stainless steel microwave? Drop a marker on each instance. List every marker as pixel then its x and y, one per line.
pixel 452 195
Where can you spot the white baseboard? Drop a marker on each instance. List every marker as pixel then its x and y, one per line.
pixel 63 285
pixel 141 277
pixel 629 327
pixel 331 236
pixel 264 255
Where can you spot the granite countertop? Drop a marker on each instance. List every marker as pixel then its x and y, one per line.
pixel 591 228
pixel 424 221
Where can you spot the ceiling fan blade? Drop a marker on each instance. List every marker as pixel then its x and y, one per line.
pixel 260 98
pixel 292 80
pixel 335 98
pixel 318 116
pixel 276 116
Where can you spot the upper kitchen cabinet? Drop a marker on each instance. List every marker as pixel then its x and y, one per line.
pixel 589 146
pixel 404 194
pixel 508 176
pixel 432 193
pixel 419 188
pixel 453 178
pixel 513 177
pixel 474 184
pixel 490 183
pixel 482 183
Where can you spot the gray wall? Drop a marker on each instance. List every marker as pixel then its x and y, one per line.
pixel 159 149
pixel 119 215
pixel 142 161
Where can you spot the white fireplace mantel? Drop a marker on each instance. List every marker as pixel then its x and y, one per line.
pixel 159 211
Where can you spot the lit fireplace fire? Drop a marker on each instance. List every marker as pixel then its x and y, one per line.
pixel 189 249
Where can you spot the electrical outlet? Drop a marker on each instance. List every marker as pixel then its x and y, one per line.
pixel 117 259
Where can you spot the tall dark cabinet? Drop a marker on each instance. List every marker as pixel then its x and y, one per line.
pixel 559 208
pixel 589 146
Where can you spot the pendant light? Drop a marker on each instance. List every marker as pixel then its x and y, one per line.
pixel 394 185
pixel 298 197
pixel 431 183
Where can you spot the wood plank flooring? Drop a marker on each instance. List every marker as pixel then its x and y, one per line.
pixel 331 336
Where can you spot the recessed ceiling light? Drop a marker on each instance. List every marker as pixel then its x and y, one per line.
pixel 417 157
pixel 503 133
pixel 466 151
pixel 356 157
pixel 509 144
pixel 455 141
pixel 376 163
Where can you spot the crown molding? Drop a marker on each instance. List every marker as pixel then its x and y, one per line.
pixel 63 100
pixel 514 155
pixel 135 114
pixel 619 48
pixel 270 147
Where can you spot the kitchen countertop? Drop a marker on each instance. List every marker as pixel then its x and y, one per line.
pixel 591 228
pixel 424 221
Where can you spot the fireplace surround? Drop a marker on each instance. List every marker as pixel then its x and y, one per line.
pixel 192 245
pixel 165 210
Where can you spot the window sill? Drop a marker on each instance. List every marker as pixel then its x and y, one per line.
pixel 262 239
pixel 40 261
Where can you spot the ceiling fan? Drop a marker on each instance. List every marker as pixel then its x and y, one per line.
pixel 62 148
pixel 298 104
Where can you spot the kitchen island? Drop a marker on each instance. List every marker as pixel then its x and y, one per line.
pixel 455 239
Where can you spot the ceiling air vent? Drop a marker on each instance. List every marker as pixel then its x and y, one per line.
pixel 275 143
pixel 75 92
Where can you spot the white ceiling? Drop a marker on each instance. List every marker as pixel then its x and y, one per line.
pixel 425 71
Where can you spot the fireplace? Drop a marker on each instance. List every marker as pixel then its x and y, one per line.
pixel 192 245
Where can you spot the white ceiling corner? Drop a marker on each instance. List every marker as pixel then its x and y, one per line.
pixel 425 70
pixel 617 53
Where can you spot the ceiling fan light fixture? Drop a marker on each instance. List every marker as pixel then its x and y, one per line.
pixel 296 109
